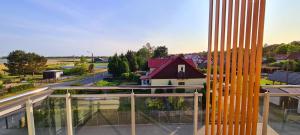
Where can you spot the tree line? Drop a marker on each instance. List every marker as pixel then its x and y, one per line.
pixel 133 61
pixel 23 63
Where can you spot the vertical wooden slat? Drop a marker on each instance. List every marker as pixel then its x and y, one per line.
pixel 242 79
pixel 240 70
pixel 233 67
pixel 252 69
pixel 228 60
pixel 246 67
pixel 208 68
pixel 220 93
pixel 258 64
pixel 215 67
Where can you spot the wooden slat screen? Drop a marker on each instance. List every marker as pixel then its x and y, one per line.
pixel 233 75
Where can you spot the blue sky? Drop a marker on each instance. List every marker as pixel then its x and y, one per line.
pixel 73 27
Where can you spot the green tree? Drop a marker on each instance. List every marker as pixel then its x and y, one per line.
pixel 143 55
pixel 118 65
pixel 160 51
pixel 35 63
pixel 16 62
pixel 91 68
pixel 124 66
pixel 132 61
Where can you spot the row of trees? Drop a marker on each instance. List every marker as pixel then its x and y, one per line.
pixel 275 49
pixel 133 61
pixel 22 63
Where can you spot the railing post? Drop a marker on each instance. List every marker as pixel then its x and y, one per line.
pixel 132 114
pixel 30 118
pixel 69 114
pixel 266 113
pixel 196 113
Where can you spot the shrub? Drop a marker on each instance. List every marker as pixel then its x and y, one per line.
pixel 20 88
pixel 77 84
pixel 1 85
pixel 75 71
pixel 106 83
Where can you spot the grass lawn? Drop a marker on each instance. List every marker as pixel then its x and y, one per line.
pixel 265 81
pixel 100 64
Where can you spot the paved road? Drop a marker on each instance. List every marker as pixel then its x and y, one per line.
pixel 85 81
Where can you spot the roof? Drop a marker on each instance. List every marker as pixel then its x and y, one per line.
pixel 167 62
pixel 281 57
pixel 158 62
pixel 294 56
pixel 53 71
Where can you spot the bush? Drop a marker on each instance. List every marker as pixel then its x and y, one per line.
pixel 106 83
pixel 77 84
pixel 130 76
pixel 20 88
pixel 1 85
pixel 75 71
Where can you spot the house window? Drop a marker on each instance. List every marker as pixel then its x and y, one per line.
pixel 181 68
pixel 181 83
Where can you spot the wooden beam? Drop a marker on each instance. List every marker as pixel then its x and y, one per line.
pixel 207 111
pixel 246 68
pixel 220 87
pixel 252 70
pixel 240 69
pixel 233 67
pixel 215 69
pixel 228 61
pixel 258 63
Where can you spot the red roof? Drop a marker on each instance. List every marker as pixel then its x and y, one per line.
pixel 158 62
pixel 161 64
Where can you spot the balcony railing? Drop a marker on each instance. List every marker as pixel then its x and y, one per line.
pixel 86 110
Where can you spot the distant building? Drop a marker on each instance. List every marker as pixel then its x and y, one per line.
pixel 199 60
pixel 52 74
pixel 280 57
pixel 99 60
pixel 294 56
pixel 175 70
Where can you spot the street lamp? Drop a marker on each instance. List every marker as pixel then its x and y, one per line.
pixel 92 55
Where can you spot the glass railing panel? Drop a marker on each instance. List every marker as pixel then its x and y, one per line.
pixel 284 115
pixel 164 115
pixel 101 116
pixel 14 123
pixel 50 116
pixel 201 112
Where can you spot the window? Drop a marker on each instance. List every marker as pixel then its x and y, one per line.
pixel 181 68
pixel 181 83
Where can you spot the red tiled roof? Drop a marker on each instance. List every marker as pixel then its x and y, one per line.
pixel 158 62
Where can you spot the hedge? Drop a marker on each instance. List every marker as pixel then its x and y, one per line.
pixel 20 88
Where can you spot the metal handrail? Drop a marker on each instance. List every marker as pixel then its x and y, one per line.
pixel 128 87
pixel 23 95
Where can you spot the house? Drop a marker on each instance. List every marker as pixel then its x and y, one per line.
pixel 52 74
pixel 199 60
pixel 175 70
pixel 100 60
pixel 281 57
pixel 294 56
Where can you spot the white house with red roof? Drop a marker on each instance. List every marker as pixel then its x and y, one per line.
pixel 175 70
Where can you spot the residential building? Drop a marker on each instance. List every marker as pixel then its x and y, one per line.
pixel 175 70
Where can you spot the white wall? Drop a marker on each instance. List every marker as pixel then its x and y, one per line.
pixel 164 82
